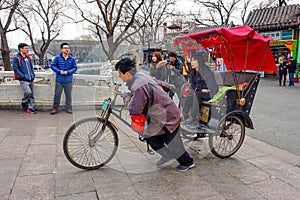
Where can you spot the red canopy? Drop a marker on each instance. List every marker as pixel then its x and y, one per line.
pixel 242 48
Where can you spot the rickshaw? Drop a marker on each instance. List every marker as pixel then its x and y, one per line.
pixel 92 142
pixel 224 118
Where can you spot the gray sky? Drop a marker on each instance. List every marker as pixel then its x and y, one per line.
pixel 71 31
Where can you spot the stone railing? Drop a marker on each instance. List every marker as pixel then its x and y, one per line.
pixel 88 90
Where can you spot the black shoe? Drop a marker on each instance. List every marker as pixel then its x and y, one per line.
pixel 24 106
pixel 183 168
pixel 163 160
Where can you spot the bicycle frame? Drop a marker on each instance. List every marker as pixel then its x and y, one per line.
pixel 106 111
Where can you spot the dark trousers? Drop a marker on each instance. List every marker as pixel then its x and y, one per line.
pixel 192 104
pixel 282 76
pixel 67 87
pixel 170 144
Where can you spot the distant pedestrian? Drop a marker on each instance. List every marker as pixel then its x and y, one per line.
pixel 64 65
pixel 186 68
pixel 291 66
pixel 24 71
pixel 174 72
pixel 282 70
pixel 158 66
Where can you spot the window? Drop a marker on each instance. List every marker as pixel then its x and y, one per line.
pixel 275 35
pixel 287 35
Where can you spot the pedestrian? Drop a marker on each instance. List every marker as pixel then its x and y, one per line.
pixel 282 70
pixel 24 72
pixel 64 65
pixel 158 66
pixel 164 116
pixel 291 66
pixel 186 68
pixel 174 72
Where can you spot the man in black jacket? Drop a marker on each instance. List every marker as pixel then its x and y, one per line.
pixel 282 71
pixel 291 66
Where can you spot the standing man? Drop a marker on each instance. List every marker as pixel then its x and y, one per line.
pixel 164 116
pixel 291 69
pixel 24 72
pixel 174 72
pixel 64 65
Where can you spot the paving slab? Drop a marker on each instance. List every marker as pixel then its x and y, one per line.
pixel 33 166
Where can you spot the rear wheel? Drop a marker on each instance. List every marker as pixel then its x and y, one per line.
pixel 85 153
pixel 229 138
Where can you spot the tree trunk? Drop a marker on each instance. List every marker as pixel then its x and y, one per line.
pixel 5 53
pixel 111 47
pixel 41 59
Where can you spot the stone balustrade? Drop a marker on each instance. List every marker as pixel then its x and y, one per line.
pixel 88 90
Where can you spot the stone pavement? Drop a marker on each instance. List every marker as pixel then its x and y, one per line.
pixel 33 166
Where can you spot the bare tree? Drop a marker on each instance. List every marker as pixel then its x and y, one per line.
pixel 219 12
pixel 7 11
pixel 41 21
pixel 156 12
pixel 267 3
pixel 245 9
pixel 113 21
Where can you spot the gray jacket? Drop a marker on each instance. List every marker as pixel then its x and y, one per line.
pixel 163 111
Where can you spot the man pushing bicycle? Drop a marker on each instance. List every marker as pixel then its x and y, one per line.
pixel 163 116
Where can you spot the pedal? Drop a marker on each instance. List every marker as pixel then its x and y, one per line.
pixel 141 138
pixel 150 152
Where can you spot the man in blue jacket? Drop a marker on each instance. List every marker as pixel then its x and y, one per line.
pixel 24 72
pixel 64 65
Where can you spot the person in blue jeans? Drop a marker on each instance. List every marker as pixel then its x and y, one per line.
pixel 24 71
pixel 64 65
pixel 291 66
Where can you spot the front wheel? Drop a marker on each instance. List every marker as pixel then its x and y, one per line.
pixel 229 138
pixel 83 150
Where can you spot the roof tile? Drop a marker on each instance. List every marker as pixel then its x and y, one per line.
pixel 278 18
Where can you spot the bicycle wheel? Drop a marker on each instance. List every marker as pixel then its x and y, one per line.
pixel 82 151
pixel 229 139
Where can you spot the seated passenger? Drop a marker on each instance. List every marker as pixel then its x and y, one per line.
pixel 199 91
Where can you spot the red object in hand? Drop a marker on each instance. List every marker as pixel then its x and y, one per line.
pixel 138 123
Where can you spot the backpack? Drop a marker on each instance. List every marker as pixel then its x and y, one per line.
pixel 20 62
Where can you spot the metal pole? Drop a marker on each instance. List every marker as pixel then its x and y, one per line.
pixel 148 60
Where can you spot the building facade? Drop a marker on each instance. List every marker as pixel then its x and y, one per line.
pixel 282 23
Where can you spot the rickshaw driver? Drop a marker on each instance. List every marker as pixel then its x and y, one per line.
pixel 165 117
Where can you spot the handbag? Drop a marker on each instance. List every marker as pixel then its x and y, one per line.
pixel 186 89
pixel 139 122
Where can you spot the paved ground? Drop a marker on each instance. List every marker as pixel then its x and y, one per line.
pixel 275 115
pixel 33 166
